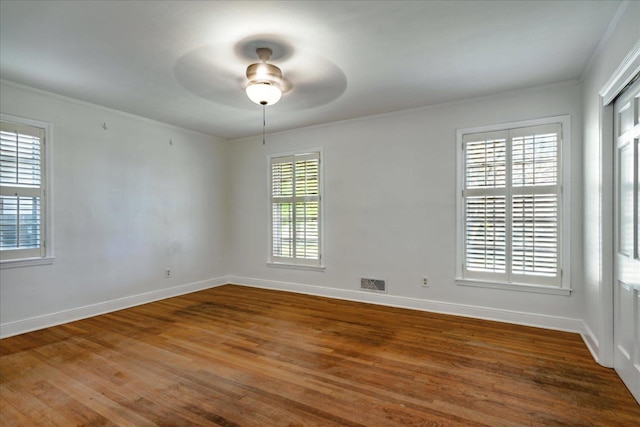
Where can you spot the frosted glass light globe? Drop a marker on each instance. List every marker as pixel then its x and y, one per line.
pixel 263 93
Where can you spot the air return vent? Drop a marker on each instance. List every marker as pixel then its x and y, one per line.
pixel 375 285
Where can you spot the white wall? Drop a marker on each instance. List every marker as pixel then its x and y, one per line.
pixel 598 185
pixel 127 204
pixel 389 208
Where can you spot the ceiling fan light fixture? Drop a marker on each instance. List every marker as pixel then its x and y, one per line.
pixel 263 93
pixel 264 80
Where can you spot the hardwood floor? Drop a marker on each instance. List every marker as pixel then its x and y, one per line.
pixel 238 356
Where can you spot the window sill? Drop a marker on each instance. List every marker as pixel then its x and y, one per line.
pixel 26 262
pixel 296 266
pixel 539 289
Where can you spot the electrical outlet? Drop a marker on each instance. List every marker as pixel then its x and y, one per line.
pixel 425 282
pixel 167 273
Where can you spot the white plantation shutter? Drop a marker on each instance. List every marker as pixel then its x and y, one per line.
pixel 535 234
pixel 511 205
pixel 295 209
pixel 282 208
pixel 485 208
pixel 485 234
pixel 485 160
pixel 21 191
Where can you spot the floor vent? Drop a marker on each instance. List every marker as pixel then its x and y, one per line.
pixel 375 285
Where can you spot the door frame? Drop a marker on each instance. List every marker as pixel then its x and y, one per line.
pixel 618 80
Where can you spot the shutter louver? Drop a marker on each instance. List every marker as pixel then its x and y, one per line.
pixel 535 160
pixel 307 209
pixel 486 234
pixel 19 222
pixel 282 212
pixel 19 159
pixel 282 230
pixel 485 163
pixel 535 234
pixel 307 230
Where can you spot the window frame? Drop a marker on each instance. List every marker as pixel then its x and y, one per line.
pixel 564 168
pixel 46 203
pixel 297 263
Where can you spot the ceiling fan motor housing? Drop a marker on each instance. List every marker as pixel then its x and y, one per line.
pixel 264 80
pixel 264 73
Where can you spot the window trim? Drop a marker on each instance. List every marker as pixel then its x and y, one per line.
pixel 271 262
pixel 47 188
pixel 564 205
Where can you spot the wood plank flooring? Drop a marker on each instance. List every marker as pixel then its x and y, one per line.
pixel 238 356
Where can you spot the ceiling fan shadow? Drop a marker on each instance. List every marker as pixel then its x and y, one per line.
pixel 281 51
pixel 205 72
pixel 323 84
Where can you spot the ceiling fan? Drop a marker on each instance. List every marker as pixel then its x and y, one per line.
pixel 265 80
pixel 215 73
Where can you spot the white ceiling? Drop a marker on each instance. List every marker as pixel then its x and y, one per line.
pixel 183 62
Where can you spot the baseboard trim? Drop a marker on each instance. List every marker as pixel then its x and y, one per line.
pixel 10 329
pixel 506 316
pixel 592 343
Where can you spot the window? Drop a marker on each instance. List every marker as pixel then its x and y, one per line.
pixel 510 207
pixel 23 207
pixel 295 210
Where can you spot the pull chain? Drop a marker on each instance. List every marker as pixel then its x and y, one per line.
pixel 263 124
